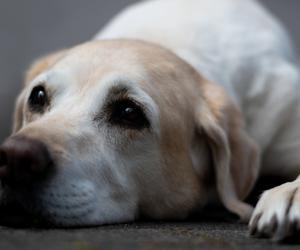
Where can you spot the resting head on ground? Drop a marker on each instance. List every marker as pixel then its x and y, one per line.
pixel 111 130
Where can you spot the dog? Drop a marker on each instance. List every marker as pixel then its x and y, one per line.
pixel 173 105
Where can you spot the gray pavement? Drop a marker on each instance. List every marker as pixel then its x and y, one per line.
pixel 146 236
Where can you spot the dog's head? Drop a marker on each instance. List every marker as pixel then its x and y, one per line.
pixel 109 130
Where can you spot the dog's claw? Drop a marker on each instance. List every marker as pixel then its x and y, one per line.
pixel 276 215
pixel 270 229
pixel 253 224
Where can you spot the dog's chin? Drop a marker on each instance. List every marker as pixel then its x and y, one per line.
pixel 74 205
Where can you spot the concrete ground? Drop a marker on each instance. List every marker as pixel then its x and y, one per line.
pixel 146 236
pixel 211 229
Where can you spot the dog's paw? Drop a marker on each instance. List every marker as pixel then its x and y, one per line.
pixel 277 214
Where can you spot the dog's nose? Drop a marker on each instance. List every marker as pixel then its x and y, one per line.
pixel 22 160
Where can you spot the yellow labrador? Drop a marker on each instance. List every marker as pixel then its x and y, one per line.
pixel 174 104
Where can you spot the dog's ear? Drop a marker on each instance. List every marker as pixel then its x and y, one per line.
pixel 37 67
pixel 235 155
pixel 18 113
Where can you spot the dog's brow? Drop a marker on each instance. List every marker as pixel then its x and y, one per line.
pixel 117 92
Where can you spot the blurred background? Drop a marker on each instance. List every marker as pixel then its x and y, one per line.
pixel 31 28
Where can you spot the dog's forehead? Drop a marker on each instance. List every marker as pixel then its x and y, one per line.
pixel 88 63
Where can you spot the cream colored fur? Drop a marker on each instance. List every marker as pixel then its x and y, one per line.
pixel 221 90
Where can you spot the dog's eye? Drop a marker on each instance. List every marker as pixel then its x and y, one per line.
pixel 128 114
pixel 38 99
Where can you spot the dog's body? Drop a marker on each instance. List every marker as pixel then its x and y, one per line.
pixel 146 133
pixel 240 46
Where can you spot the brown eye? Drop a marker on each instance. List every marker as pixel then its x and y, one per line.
pixel 38 99
pixel 127 114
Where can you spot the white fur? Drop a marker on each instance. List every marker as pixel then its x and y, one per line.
pixel 239 45
pixel 85 191
pixel 234 43
pixel 277 213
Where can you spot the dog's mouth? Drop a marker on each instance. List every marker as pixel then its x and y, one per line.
pixel 21 213
pixel 71 206
pixel 14 215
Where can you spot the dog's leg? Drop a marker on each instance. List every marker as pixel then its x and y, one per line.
pixel 277 214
